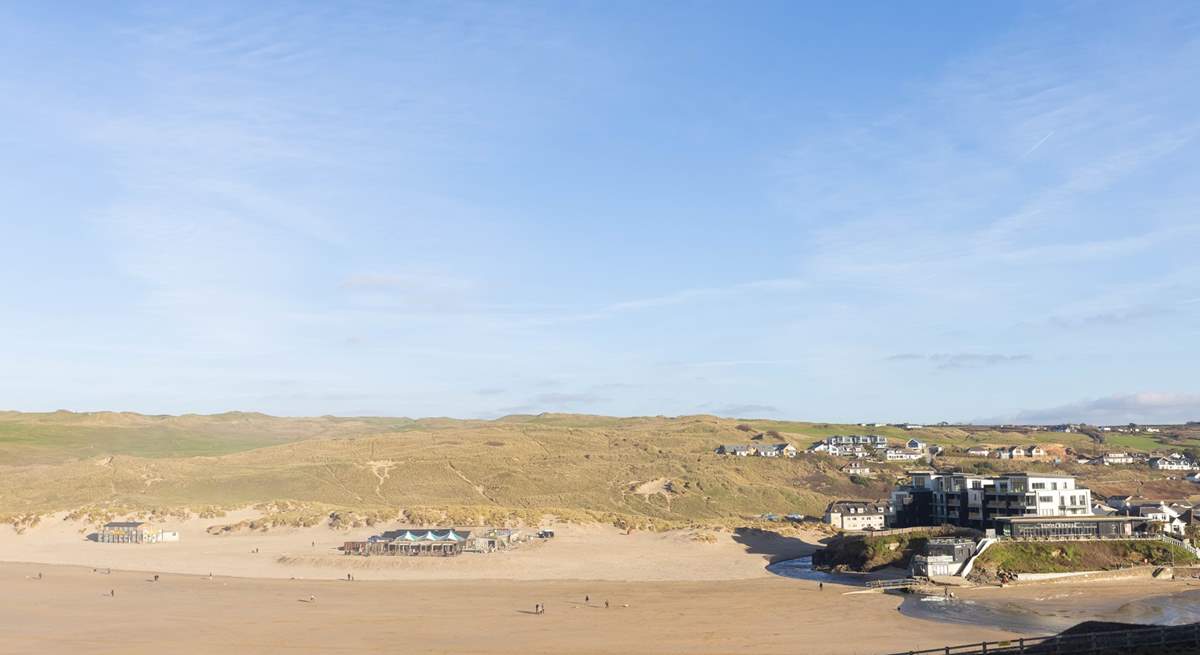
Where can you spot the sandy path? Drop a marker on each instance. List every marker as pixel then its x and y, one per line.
pixel 70 610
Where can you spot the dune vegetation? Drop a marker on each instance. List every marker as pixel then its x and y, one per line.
pixel 638 471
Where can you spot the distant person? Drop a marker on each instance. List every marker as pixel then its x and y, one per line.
pixel 156 577
pixel 112 592
pixel 587 599
pixel 821 585
pixel 606 604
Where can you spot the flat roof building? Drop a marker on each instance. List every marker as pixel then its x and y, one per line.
pixel 977 501
pixel 1070 527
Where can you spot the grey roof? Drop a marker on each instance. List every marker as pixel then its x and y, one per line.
pixel 876 507
pixel 123 524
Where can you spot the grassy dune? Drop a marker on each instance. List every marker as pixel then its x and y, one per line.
pixel 652 468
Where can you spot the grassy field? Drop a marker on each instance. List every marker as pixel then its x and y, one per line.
pixel 643 468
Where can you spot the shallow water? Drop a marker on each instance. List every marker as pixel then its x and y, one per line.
pixel 1023 617
pixel 1032 618
pixel 1014 617
pixel 802 569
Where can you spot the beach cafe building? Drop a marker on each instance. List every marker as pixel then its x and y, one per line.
pixel 446 542
pixel 133 532
pixel 1070 527
pixel 122 532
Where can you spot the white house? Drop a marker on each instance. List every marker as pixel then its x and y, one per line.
pixel 1010 452
pixel 776 450
pixel 979 451
pixel 1170 464
pixel 1159 513
pixel 1116 459
pixel 898 455
pixel 856 514
pixel 915 444
pixel 855 468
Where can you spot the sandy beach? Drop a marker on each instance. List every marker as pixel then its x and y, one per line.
pixel 577 552
pixel 666 593
pixel 70 609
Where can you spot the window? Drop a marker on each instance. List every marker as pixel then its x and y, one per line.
pixel 1045 499
pixel 1039 485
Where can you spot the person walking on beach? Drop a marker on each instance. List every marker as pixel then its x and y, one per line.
pixel 606 604
pixel 822 586
pixel 587 599
pixel 156 577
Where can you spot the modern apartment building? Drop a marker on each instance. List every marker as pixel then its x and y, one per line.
pixel 977 501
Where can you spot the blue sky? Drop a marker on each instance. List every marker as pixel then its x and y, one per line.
pixel 887 211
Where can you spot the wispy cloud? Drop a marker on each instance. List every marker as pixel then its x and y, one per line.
pixel 744 410
pixel 960 360
pixel 555 401
pixel 1145 407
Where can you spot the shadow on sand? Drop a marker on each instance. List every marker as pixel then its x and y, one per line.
pixel 773 546
pixel 95 536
